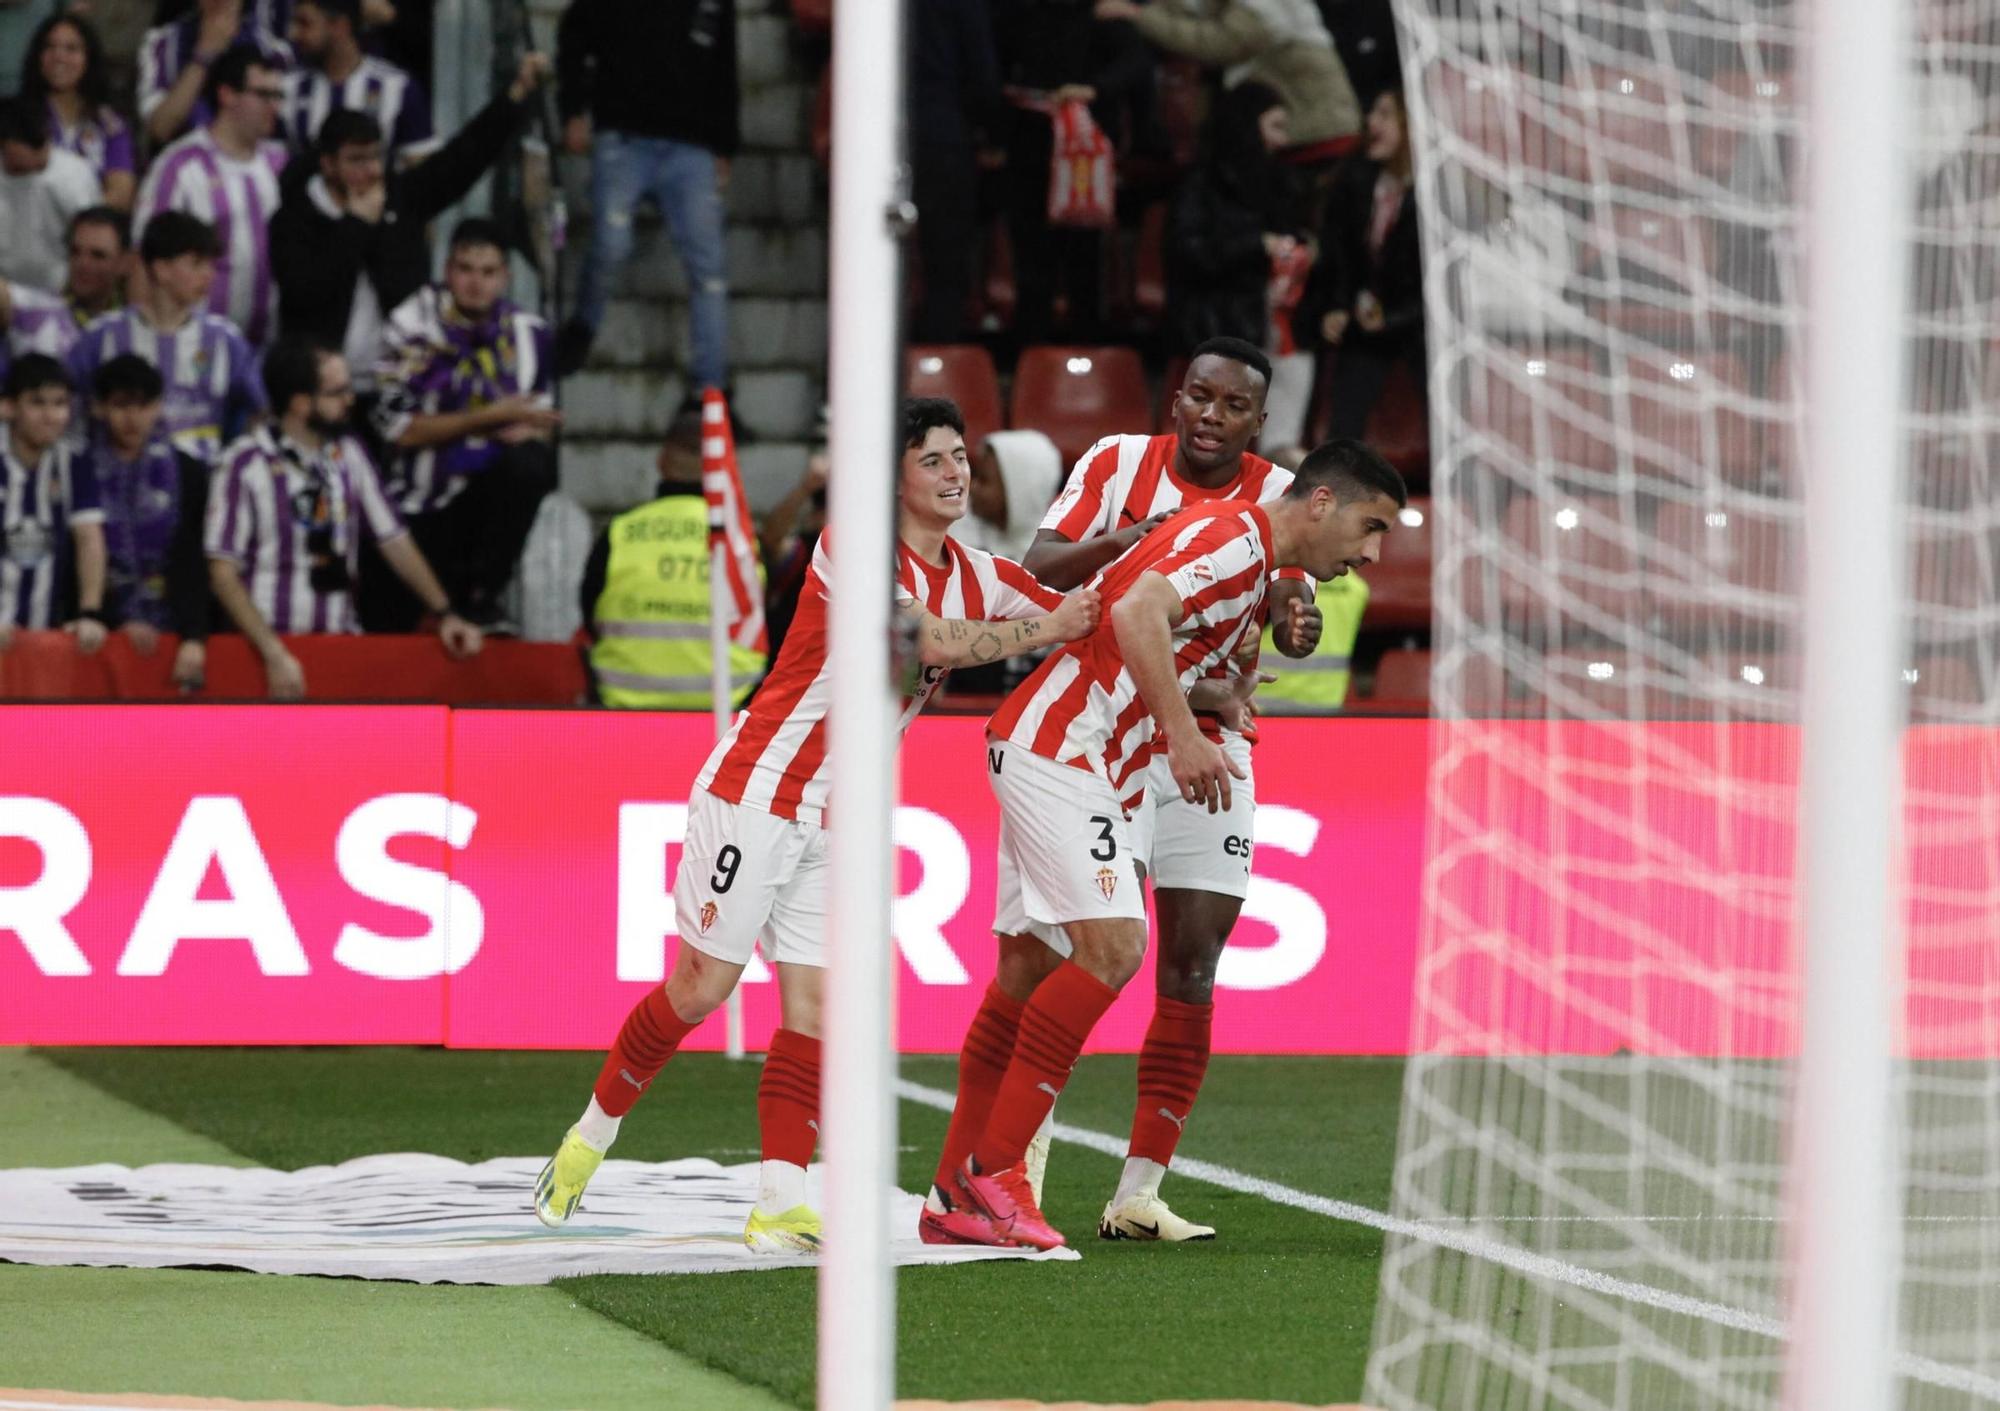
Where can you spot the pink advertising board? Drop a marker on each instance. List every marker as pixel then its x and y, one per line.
pixel 500 879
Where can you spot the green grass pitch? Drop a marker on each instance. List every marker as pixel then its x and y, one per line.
pixel 1279 1307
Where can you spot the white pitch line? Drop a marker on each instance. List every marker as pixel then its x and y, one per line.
pixel 1539 1266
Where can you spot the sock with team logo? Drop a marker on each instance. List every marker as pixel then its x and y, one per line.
pixel 651 1034
pixel 1172 1063
pixel 982 1063
pixel 1065 1008
pixel 788 1104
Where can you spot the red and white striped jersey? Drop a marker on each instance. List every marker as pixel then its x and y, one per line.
pixel 1123 480
pixel 774 756
pixel 1082 708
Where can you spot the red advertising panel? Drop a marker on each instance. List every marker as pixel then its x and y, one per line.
pixel 224 875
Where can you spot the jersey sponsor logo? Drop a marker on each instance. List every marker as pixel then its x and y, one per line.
pixel 1236 845
pixel 709 911
pixel 1107 882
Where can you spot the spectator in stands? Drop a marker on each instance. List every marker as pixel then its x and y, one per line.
pixel 348 243
pixel 648 88
pixel 787 536
pixel 52 570
pixel 645 594
pixel 42 189
pixel 227 174
pixel 1282 44
pixel 41 322
pixel 210 371
pixel 1014 477
pixel 465 384
pixel 335 75
pixel 65 74
pixel 286 516
pixel 1055 50
pixel 1366 295
pixel 1231 218
pixel 176 91
pixel 954 94
pixel 155 501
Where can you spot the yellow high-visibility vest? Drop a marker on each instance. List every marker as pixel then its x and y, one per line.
pixel 651 651
pixel 1317 683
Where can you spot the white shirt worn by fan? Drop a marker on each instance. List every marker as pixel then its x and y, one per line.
pixel 35 212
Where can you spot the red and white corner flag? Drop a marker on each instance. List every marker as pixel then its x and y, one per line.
pixel 729 522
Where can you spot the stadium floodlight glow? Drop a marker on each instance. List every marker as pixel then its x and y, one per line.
pixel 857 1291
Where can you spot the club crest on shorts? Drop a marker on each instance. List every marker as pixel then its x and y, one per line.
pixel 1107 882
pixel 709 911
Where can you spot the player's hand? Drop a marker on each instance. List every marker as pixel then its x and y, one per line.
pixel 1238 710
pixel 1077 616
pixel 144 637
pixel 89 634
pixel 284 676
pixel 1297 635
pixel 1201 770
pixel 576 135
pixel 191 667
pixel 461 639
pixel 1133 533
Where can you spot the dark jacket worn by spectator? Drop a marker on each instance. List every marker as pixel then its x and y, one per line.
pixel 319 253
pixel 1218 269
pixel 653 68
pixel 954 95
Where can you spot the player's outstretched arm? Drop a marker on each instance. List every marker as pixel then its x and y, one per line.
pixel 953 642
pixel 1144 620
pixel 1063 565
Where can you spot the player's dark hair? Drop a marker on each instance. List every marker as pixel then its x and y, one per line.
pixel 477 231
pixel 34 372
pixel 1349 468
pixel 1237 350
pixel 291 369
pixel 923 415
pixel 232 70
pixel 127 378
pixel 171 234
pixel 349 10
pixel 115 221
pixel 95 85
pixel 348 127
pixel 23 122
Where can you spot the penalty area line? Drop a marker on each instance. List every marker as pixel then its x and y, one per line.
pixel 1537 1266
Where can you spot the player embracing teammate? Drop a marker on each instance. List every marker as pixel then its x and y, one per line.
pixel 754 865
pixel 1099 764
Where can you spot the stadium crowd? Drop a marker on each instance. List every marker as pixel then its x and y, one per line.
pixel 238 399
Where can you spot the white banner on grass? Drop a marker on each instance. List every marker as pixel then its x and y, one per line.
pixel 426 1219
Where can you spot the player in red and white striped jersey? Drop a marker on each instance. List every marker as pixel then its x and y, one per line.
pixel 754 859
pixel 1198 863
pixel 1068 757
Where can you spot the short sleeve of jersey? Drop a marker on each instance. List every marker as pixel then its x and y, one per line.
pixel 1018 593
pixel 1207 576
pixel 1083 510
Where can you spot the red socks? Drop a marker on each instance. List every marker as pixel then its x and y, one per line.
pixel 1171 1066
pixel 1054 1025
pixel 788 1098
pixel 651 1034
pixel 982 1063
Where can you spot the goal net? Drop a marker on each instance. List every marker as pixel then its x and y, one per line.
pixel 1590 1181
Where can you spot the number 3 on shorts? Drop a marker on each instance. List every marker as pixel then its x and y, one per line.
pixel 726 863
pixel 1107 846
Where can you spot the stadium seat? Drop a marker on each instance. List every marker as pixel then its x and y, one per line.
pixel 963 372
pixel 1399 426
pixel 1689 417
pixel 1942 687
pixel 1567 567
pixel 1546 406
pixel 1750 684
pixel 1726 573
pixel 1077 395
pixel 1403 675
pixel 1604 123
pixel 1399 585
pixel 1652 278
pixel 1468 106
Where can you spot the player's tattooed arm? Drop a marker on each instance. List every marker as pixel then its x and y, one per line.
pixel 950 642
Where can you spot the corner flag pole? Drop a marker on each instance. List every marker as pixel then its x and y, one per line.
pixel 857 1291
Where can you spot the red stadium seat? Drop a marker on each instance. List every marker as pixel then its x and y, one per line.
pixel 1942 688
pixel 963 372
pixel 1474 105
pixel 1689 414
pixel 1076 395
pixel 1752 684
pixel 1652 275
pixel 1403 674
pixel 1399 585
pixel 1727 571
pixel 1399 426
pixel 1568 565
pixel 1546 406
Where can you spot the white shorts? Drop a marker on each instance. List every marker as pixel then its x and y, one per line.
pixel 1065 848
pixel 1186 847
pixel 748 876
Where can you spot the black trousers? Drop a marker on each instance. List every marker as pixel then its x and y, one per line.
pixel 472 544
pixel 945 183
